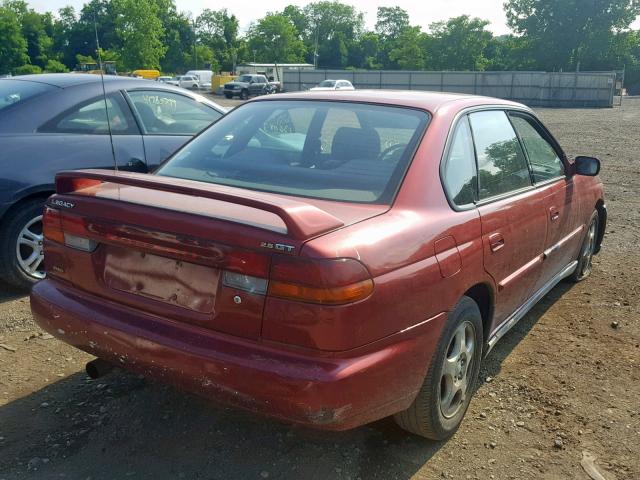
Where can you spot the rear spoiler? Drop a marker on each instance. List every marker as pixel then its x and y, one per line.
pixel 302 220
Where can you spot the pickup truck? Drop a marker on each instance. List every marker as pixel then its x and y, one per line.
pixel 247 85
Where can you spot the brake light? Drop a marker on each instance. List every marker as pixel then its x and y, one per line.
pixel 74 184
pixel 327 282
pixel 67 229
pixel 52 225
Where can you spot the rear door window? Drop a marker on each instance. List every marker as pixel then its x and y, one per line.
pixel 90 118
pixel 459 172
pixel 545 161
pixel 502 166
pixel 167 113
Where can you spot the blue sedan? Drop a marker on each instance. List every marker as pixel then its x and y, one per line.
pixel 55 122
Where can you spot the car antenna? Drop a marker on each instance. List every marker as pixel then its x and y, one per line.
pixel 104 93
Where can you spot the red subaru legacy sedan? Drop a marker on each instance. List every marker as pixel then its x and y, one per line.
pixel 324 259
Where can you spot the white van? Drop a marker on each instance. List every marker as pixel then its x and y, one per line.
pixel 203 76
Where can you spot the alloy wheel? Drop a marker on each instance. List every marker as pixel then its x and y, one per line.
pixel 589 248
pixel 457 369
pixel 29 251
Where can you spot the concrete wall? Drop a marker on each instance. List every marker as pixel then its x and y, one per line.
pixel 581 89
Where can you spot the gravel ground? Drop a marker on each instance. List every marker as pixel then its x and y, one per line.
pixel 563 382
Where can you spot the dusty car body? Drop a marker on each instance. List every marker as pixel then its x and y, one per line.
pixel 267 272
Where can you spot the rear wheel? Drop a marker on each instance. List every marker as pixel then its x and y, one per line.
pixel 585 257
pixel 21 255
pixel 439 408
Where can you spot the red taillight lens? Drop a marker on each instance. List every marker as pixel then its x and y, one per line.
pixel 69 230
pixel 74 184
pixel 328 282
pixel 52 225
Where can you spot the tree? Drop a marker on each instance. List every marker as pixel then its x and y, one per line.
pixel 54 66
pixel 179 39
pixel 275 39
pixel 34 28
pixel 335 27
pixel 140 31
pixel 391 22
pixel 219 31
pixel 297 16
pixel 460 43
pixel 13 46
pixel 410 53
pixel 563 34
pixel 366 52
pixel 27 70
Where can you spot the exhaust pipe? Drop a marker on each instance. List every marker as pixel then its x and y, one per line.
pixel 98 367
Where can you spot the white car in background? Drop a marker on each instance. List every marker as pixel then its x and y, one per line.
pixel 333 85
pixel 185 81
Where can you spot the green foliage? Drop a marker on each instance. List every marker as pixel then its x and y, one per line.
pixel 275 39
pixel 219 31
pixel 27 69
pixel 13 46
pixel 334 27
pixel 563 34
pixel 391 22
pixel 54 66
pixel 409 53
pixel 140 30
pixel 460 43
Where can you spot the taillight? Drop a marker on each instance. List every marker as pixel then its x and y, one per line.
pixel 52 225
pixel 67 229
pixel 327 282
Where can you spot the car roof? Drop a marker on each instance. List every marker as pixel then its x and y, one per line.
pixel 65 80
pixel 114 82
pixel 430 101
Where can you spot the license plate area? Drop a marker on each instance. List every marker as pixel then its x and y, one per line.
pixel 164 279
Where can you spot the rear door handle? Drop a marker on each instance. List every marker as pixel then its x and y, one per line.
pixel 554 214
pixel 496 241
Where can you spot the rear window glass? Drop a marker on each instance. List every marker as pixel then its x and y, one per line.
pixel 15 91
pixel 329 150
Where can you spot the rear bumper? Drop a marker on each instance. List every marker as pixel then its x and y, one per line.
pixel 322 390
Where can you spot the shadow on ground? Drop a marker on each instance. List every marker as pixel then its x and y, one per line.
pixel 8 293
pixel 122 426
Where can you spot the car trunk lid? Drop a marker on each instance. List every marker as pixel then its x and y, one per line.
pixel 185 250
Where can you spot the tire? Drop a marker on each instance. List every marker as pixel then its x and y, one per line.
pixel 228 95
pixel 24 222
pixel 587 249
pixel 244 94
pixel 430 415
pixel 194 87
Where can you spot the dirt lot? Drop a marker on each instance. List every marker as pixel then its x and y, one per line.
pixel 564 381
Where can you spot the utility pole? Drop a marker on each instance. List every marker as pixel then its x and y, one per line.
pixel 195 50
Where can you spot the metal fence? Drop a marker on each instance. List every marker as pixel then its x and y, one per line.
pixel 576 89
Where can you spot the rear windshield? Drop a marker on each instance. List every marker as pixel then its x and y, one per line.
pixel 327 83
pixel 15 91
pixel 329 150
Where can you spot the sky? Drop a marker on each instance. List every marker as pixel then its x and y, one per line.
pixel 421 12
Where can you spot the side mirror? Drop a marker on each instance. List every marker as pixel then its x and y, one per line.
pixel 587 166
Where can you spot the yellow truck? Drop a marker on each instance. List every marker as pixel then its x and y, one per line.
pixel 146 74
